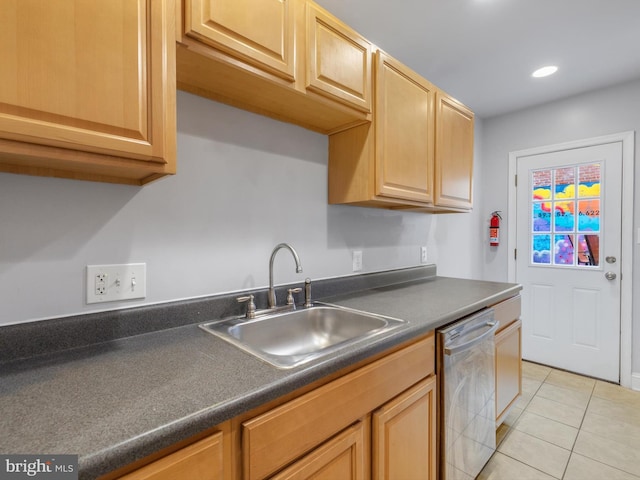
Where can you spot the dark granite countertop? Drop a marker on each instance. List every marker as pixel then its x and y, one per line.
pixel 118 401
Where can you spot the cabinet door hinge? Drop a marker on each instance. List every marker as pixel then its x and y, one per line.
pixel 515 179
pixel 515 253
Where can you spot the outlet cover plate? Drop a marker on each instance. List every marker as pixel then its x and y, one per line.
pixel 357 260
pixel 112 283
pixel 423 254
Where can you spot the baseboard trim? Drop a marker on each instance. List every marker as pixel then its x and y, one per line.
pixel 635 381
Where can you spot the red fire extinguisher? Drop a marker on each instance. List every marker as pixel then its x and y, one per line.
pixel 494 229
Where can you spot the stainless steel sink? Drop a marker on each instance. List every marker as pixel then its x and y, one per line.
pixel 294 337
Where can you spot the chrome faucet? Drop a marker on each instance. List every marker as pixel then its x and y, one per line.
pixel 272 292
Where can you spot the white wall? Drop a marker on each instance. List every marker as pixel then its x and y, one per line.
pixel 244 184
pixel 602 112
pixel 460 240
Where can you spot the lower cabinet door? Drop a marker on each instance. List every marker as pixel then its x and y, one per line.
pixel 201 461
pixel 404 435
pixel 343 457
pixel 508 368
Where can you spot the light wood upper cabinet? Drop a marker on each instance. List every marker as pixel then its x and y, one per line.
pixel 287 59
pixel 416 155
pixel 404 129
pixel 454 153
pixel 87 89
pixel 260 32
pixel 404 435
pixel 338 60
pixel 388 163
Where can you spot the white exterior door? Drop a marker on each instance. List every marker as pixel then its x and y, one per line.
pixel 568 238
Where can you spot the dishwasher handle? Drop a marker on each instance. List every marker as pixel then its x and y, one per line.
pixel 466 346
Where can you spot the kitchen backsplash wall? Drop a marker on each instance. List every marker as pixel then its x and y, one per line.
pixel 244 184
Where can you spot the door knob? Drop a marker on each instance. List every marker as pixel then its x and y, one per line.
pixel 610 259
pixel 610 276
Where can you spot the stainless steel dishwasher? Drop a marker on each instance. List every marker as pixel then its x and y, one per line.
pixel 466 354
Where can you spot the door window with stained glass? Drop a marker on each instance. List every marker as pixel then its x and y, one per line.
pixel 565 216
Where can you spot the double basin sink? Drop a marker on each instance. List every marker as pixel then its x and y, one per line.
pixel 291 338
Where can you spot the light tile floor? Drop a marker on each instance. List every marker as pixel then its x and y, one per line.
pixel 568 427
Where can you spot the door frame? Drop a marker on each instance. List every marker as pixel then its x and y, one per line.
pixel 626 267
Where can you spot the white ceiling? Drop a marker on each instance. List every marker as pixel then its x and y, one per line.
pixel 483 51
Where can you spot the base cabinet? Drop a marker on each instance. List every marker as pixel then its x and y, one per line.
pixel 202 460
pixel 344 457
pixel 508 368
pixel 283 435
pixel 508 345
pixel 377 421
pixel 404 435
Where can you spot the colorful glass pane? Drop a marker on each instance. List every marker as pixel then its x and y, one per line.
pixel 565 183
pixel 564 213
pixel 588 250
pixel 541 217
pixel 563 250
pixel 589 180
pixel 541 249
pixel 589 215
pixel 541 181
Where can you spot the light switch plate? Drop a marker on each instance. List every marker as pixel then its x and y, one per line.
pixel 111 283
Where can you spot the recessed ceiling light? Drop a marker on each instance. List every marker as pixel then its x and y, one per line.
pixel 545 71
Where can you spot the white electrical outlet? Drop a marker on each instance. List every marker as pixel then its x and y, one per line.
pixel 423 254
pixel 110 283
pixel 100 284
pixel 357 260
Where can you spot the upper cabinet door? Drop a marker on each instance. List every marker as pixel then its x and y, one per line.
pixel 454 153
pixel 86 76
pixel 260 31
pixel 338 60
pixel 403 118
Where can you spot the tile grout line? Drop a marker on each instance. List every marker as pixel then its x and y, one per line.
pixel 579 428
pixel 512 428
pixel 593 388
pixel 529 466
pixel 545 441
pixel 572 453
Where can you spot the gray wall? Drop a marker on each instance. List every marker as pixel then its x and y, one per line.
pixel 244 184
pixel 606 111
